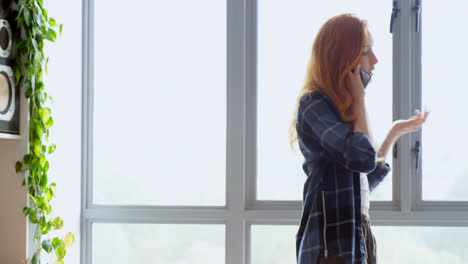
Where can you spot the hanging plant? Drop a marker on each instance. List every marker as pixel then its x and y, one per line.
pixel 34 27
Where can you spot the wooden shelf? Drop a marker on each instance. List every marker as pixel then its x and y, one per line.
pixel 10 136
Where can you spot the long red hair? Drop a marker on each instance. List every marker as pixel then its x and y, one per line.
pixel 336 51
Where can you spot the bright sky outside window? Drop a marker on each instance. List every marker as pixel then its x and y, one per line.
pixel 160 103
pixel 445 169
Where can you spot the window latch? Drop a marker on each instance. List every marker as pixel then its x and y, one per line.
pixel 394 15
pixel 417 149
pixel 417 8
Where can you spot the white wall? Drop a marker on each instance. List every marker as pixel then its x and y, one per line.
pixel 63 83
pixel 13 195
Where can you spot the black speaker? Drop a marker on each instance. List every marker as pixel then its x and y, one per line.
pixel 9 93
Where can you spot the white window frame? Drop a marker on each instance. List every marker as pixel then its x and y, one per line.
pixel 243 209
pixel 407 207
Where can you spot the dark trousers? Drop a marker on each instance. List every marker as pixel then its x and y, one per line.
pixel 369 241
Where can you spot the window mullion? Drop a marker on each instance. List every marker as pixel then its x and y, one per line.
pixel 416 90
pixel 250 68
pixel 402 103
pixel 86 130
pixel 420 218
pixel 236 136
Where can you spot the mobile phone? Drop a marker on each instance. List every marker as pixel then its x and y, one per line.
pixel 365 77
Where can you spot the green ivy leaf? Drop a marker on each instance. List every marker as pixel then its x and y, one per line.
pixel 61 252
pixel 36 259
pixel 51 35
pixel 44 205
pixel 52 148
pixel 44 180
pixel 46 166
pixel 59 261
pixel 26 211
pixel 20 44
pixel 41 200
pixel 60 29
pixel 17 75
pixel 45 114
pixel 44 13
pixel 34 176
pixel 28 93
pixel 34 200
pixel 52 22
pixel 32 217
pixel 28 158
pixel 34 43
pixel 57 242
pixel 18 166
pixel 43 221
pixel 27 16
pixel 45 228
pixel 48 194
pixel 49 123
pixel 38 129
pixel 42 161
pixel 47 246
pixel 53 188
pixel 49 228
pixel 37 150
pixel 38 188
pixel 40 88
pixel 56 222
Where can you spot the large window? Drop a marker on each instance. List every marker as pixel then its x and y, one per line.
pixel 159 120
pixel 421 245
pixel 283 51
pixel 187 106
pixel 444 167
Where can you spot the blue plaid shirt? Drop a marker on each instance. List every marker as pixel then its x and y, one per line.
pixel 334 157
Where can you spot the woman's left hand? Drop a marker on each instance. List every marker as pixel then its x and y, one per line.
pixel 412 124
pixel 400 128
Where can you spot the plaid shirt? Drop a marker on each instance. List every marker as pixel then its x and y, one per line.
pixel 334 157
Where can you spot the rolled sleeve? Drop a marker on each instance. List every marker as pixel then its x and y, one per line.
pixel 377 175
pixel 351 149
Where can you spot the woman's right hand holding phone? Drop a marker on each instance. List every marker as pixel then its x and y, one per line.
pixel 359 109
pixel 355 82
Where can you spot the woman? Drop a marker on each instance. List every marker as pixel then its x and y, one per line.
pixel 341 163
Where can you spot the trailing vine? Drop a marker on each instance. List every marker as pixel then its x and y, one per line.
pixel 34 27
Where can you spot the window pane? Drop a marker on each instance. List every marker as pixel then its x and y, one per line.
pixel 273 244
pixel 284 47
pixel 160 127
pixel 158 243
pixel 444 134
pixel 421 245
